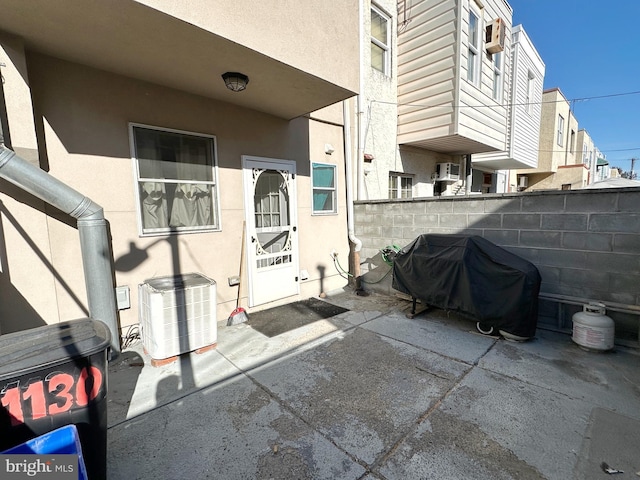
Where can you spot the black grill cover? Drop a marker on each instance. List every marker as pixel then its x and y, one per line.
pixel 472 276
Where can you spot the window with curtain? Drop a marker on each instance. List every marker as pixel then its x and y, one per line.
pixel 380 40
pixel 324 188
pixel 177 188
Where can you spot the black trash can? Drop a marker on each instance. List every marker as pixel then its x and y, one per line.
pixel 53 376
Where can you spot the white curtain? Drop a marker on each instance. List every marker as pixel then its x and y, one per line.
pixel 192 201
pixel 154 205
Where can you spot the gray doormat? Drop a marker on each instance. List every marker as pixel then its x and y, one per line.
pixel 278 320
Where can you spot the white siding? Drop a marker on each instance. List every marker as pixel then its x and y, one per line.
pixel 438 108
pixel 526 121
pixel 523 127
pixel 427 72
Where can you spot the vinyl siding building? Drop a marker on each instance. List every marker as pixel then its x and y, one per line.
pixel 451 101
pixel 527 78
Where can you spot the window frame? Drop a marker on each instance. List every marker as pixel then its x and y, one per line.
pixel 530 83
pixel 214 183
pixel 560 132
pixel 399 189
pixel 497 76
pixel 572 141
pixel 474 49
pixel 386 46
pixel 333 190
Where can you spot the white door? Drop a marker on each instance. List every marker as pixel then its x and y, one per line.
pixel 272 237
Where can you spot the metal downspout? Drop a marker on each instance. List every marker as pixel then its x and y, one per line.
pixel 92 227
pixel 357 243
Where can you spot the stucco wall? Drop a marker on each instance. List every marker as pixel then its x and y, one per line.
pixel 586 244
pixel 83 116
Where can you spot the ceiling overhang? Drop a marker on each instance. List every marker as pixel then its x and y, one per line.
pixel 130 39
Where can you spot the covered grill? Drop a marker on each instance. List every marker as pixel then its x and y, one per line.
pixel 472 276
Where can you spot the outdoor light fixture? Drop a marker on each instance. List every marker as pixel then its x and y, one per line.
pixel 235 81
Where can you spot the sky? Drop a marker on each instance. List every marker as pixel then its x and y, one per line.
pixel 592 49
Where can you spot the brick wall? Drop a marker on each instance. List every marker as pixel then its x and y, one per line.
pixel 585 243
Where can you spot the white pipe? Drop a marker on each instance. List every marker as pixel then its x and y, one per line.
pixel 360 115
pixel 92 227
pixel 349 178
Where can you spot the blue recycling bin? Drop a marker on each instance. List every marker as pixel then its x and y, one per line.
pixel 62 441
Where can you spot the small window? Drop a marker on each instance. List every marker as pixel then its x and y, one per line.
pixel 572 141
pixel 400 185
pixel 497 76
pixel 529 99
pixel 324 188
pixel 560 139
pixel 474 48
pixel 566 186
pixel 176 175
pixel 380 41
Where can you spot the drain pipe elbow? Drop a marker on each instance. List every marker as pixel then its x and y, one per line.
pixel 92 228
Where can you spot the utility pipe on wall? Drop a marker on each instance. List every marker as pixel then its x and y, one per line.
pixel 357 243
pixel 92 227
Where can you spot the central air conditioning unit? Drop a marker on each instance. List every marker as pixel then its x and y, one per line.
pixel 177 314
pixel 494 36
pixel 523 181
pixel 447 172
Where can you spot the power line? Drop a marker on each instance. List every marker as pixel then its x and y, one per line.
pixel 502 105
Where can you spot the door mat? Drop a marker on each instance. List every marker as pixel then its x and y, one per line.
pixel 278 320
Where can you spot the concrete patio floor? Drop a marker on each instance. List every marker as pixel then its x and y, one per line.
pixel 370 394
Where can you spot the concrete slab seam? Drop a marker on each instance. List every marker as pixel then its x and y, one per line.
pixel 422 418
pixel 287 408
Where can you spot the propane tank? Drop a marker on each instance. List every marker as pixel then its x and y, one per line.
pixel 592 329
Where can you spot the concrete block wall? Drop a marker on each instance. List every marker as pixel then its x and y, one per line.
pixel 585 243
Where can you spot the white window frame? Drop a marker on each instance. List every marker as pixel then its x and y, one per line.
pixel 473 52
pixel 397 178
pixel 560 134
pixel 585 155
pixel 529 100
pixel 333 190
pixel 497 76
pixel 386 45
pixel 216 226
pixel 572 141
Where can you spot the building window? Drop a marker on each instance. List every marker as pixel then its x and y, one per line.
pixel 572 141
pixel 566 186
pixel 176 176
pixel 380 40
pixel 529 98
pixel 324 188
pixel 400 185
pixel 497 76
pixel 560 139
pixel 474 48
